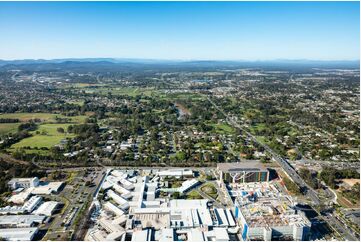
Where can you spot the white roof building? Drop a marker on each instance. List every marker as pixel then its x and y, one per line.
pixel 46 189
pixel 32 203
pixel 188 184
pixel 177 173
pixel 112 208
pixel 18 234
pixel 23 182
pixel 119 174
pixel 47 208
pixel 165 235
pixel 123 204
pixel 110 226
pixel 127 184
pixel 217 234
pixel 115 236
pixel 21 197
pixel 195 235
pixel 121 190
pixel 20 221
pixel 190 204
pixel 12 210
pixel 142 235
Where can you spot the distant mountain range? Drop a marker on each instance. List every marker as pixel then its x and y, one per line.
pixel 122 64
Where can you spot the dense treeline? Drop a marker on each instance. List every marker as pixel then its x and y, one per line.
pixel 29 126
pixel 9 120
pixel 330 175
pixel 310 178
pixel 10 170
pixel 14 139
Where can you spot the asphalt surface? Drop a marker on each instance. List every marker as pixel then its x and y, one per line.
pixel 290 171
pixel 336 224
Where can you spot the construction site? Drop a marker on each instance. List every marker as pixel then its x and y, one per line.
pixel 264 212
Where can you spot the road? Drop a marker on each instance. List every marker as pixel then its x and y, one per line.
pixel 74 196
pixel 290 171
pixel 340 227
pixel 344 231
pixel 334 164
pixel 205 195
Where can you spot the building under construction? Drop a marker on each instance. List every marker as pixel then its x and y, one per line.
pixel 264 213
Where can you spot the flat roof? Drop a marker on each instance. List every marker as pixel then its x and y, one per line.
pixel 18 233
pixel 141 235
pixel 244 165
pixel 21 219
pixel 47 188
pixel 46 208
pixel 188 204
pixel 20 179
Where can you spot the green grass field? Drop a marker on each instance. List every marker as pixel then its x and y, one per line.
pixel 222 128
pixel 6 128
pixel 257 128
pixel 194 195
pixel 117 91
pixel 45 136
pixel 210 190
pixel 183 96
pixel 45 117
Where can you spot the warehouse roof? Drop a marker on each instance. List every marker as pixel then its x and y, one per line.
pixel 46 208
pixel 19 234
pixel 21 220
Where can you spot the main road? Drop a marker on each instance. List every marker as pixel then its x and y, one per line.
pixel 281 161
pixel 290 171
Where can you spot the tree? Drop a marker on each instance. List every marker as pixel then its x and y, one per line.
pixel 291 186
pixel 60 130
pixel 176 195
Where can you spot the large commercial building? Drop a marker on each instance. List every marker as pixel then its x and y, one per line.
pixel 47 208
pixel 150 216
pixel 28 206
pixel 264 213
pixel 18 234
pixel 177 173
pixel 242 172
pixel 20 221
pixel 23 182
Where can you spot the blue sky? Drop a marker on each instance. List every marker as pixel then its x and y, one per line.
pixel 181 30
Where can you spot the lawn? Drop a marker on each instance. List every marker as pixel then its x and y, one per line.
pixel 262 139
pixel 48 117
pixel 114 90
pixel 222 128
pixel 6 128
pixel 45 136
pixel 194 195
pixel 183 95
pixel 210 190
pixel 260 127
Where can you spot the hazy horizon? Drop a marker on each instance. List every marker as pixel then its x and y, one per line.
pixel 180 60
